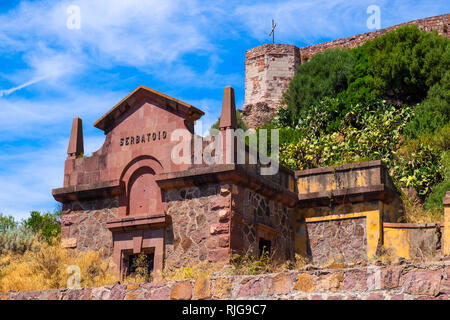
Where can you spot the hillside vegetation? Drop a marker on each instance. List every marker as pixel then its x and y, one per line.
pixel 389 100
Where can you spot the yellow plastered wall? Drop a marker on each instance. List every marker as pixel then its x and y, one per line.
pixel 300 239
pixel 397 239
pixel 446 231
pixel 374 231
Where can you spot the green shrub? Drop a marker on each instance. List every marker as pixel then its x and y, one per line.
pixel 434 200
pixel 324 75
pixel 439 140
pixel 47 224
pixel 7 223
pixel 365 132
pixel 406 62
pixel 433 113
pixel 16 240
pixel 418 166
pixel 400 67
pixel 445 165
pixel 286 135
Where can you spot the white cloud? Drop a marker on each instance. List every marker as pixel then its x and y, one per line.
pixel 31 176
pixel 21 117
pixel 136 33
pixel 24 85
pixel 28 183
pixel 308 21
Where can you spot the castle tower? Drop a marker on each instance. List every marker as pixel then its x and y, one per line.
pixel 268 70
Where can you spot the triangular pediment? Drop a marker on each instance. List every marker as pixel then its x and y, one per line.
pixel 115 115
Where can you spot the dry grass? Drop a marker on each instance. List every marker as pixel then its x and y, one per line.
pixel 192 270
pixel 415 213
pixel 45 267
pixel 385 256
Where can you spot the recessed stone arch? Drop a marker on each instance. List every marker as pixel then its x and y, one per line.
pixel 142 195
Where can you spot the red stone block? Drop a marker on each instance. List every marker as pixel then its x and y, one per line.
pixel 355 280
pixel 219 228
pixel 376 296
pixel 423 282
pixel 162 293
pixel 390 277
pixel 252 287
pixel 219 202
pixel 217 255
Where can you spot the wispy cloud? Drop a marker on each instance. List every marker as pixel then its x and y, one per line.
pixel 24 85
pixel 311 21
pixel 147 34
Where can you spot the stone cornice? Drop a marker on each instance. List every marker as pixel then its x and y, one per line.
pixel 88 191
pixel 345 167
pixel 356 194
pixel 130 223
pixel 245 175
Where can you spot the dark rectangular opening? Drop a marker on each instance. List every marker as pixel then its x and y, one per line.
pixel 141 262
pixel 264 246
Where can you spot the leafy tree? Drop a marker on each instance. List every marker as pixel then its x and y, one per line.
pixel 7 223
pixel 48 224
pixel 325 74
pixel 401 66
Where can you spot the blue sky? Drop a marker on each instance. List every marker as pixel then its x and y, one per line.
pixel 187 49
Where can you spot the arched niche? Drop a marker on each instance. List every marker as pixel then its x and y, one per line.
pixel 143 195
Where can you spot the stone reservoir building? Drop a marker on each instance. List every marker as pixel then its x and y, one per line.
pixel 131 197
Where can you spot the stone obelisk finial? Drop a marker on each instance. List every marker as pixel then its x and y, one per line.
pixel 228 124
pixel 228 116
pixel 76 147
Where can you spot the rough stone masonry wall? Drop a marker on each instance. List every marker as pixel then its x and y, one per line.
pixel 83 224
pixel 253 209
pixel 338 241
pixel 199 228
pixel 399 282
pixel 269 68
pixel 268 71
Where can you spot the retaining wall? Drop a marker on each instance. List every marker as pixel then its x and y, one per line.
pixel 398 282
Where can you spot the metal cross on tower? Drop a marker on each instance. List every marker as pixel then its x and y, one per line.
pixel 272 33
